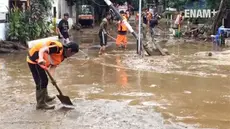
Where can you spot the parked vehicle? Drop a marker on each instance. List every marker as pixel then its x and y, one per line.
pixel 86 16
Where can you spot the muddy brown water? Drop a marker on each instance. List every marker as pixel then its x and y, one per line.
pixel 187 89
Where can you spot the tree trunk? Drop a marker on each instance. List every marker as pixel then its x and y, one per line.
pixel 219 16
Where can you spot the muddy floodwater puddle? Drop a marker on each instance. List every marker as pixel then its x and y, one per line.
pixel 186 89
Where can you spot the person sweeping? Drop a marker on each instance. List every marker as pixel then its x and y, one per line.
pixel 44 56
pixel 103 33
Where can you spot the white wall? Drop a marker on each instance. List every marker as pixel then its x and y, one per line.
pixel 55 4
pixel 62 8
pixel 74 13
pixel 4 4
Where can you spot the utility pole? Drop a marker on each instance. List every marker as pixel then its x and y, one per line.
pixel 139 30
pixel 219 16
pixel 109 3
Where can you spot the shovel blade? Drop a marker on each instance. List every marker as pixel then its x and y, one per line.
pixel 64 100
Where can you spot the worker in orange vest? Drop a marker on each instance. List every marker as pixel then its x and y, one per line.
pixel 43 56
pixel 121 40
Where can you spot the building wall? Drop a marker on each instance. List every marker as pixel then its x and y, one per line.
pixel 62 7
pixel 4 4
pixel 55 5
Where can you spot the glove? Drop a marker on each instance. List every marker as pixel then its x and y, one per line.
pixel 41 61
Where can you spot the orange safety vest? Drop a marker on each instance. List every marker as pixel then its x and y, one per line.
pixel 51 59
pixel 121 26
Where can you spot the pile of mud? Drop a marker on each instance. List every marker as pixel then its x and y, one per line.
pixel 9 47
pixel 88 114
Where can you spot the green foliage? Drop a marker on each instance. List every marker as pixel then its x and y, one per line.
pixel 177 4
pixel 31 24
pixel 17 27
pixel 40 9
pixel 214 4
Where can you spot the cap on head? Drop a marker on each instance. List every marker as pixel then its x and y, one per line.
pixel 66 14
pixel 122 12
pixel 74 47
pixel 182 13
pixel 107 15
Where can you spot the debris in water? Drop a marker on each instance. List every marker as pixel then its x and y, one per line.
pixel 187 92
pixel 153 85
pixel 209 54
pixel 80 75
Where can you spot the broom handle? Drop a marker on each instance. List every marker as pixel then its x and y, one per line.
pixel 111 37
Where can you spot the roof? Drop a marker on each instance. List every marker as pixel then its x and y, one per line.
pixel 171 9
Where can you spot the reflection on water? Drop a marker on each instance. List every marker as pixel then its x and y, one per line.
pixel 2 64
pixel 121 75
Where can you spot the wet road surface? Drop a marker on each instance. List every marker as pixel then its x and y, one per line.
pixel 187 89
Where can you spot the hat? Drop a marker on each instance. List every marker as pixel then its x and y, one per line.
pixel 66 14
pixel 122 12
pixel 74 46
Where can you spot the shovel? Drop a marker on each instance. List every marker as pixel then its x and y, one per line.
pixel 64 99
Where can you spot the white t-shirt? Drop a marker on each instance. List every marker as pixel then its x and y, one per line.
pixel 151 11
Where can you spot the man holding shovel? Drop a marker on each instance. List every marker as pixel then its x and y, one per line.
pixel 43 56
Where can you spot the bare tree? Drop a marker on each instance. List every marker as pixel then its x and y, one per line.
pixel 219 16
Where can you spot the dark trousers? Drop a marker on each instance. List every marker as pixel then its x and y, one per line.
pixel 64 34
pixel 103 38
pixel 39 76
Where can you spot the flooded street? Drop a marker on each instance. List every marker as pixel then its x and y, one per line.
pixel 187 89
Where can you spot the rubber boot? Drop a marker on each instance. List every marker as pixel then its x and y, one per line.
pixel 48 98
pixel 40 97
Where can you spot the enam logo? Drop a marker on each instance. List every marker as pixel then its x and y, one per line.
pixel 199 13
